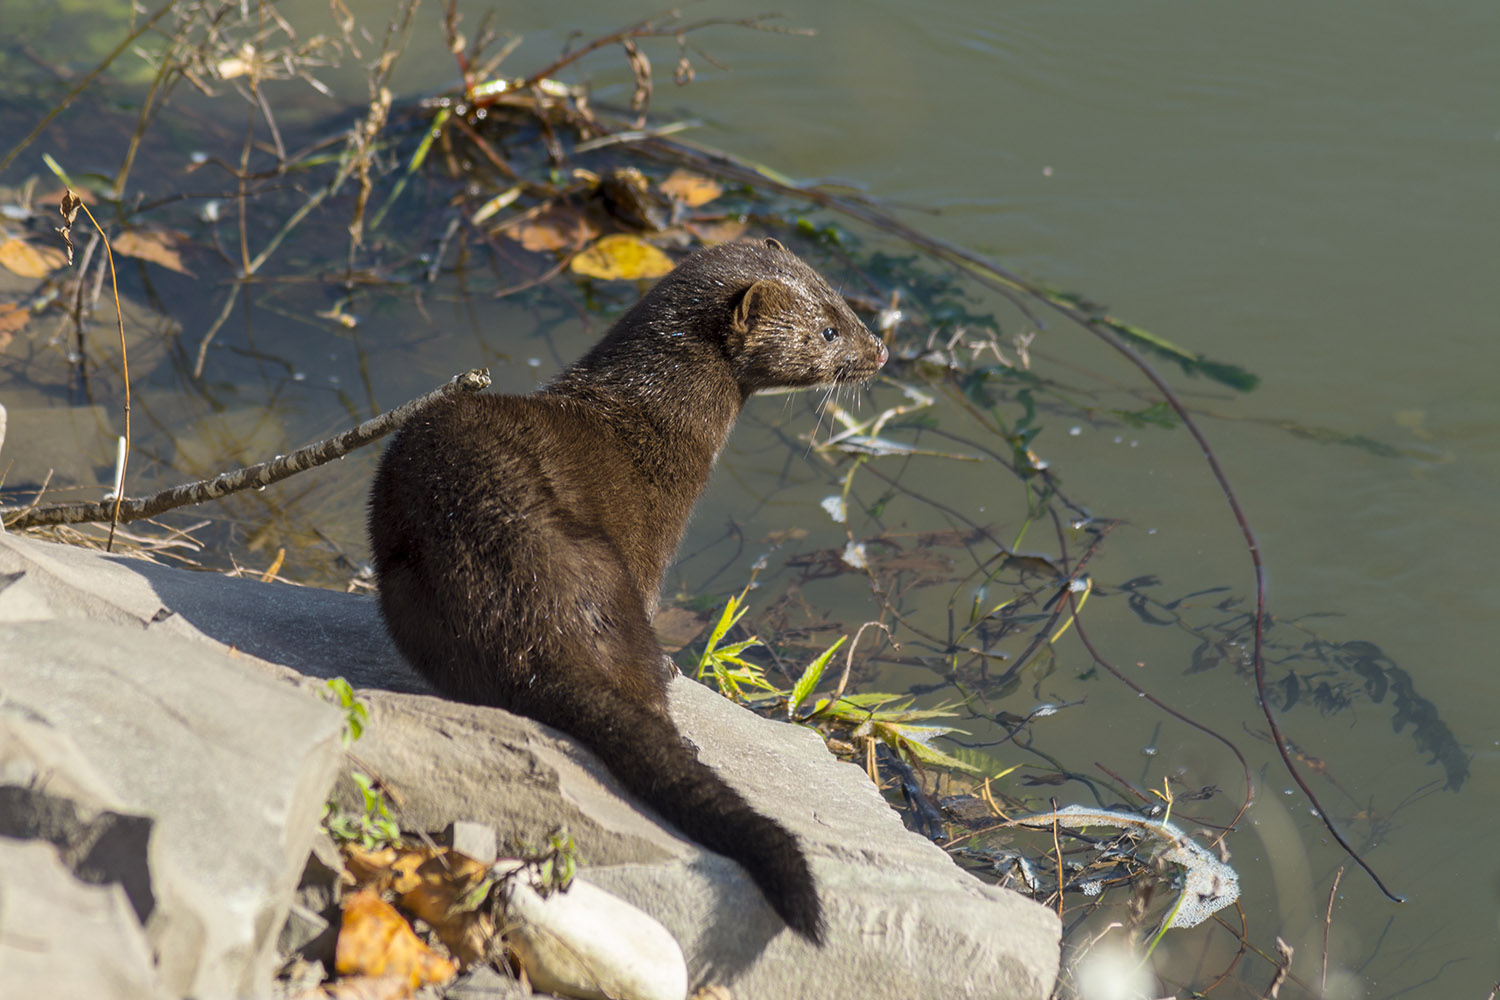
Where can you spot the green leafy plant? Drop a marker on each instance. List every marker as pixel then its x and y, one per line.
pixel 555 865
pixel 372 827
pixel 356 715
pixel 891 719
pixel 732 672
pixel 810 678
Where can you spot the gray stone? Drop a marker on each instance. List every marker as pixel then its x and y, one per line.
pixel 316 633
pixel 904 921
pixel 485 983
pixel 475 840
pixel 62 938
pixel 231 767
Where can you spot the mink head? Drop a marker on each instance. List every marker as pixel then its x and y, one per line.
pixel 775 320
pixel 789 328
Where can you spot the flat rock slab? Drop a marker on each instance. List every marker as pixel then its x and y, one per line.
pixel 60 937
pixel 202 777
pixel 903 920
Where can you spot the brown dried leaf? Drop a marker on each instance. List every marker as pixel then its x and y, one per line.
pixel 691 189
pixel 12 319
pixel 621 258
pixel 437 892
pixel 30 261
pixel 374 940
pixel 676 627
pixel 67 207
pixel 557 228
pixel 159 246
pixel 369 869
pixel 641 67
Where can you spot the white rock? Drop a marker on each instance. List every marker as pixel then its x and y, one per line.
pixel 590 944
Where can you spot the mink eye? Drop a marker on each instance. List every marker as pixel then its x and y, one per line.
pixel 830 334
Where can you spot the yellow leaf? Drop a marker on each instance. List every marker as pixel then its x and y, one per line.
pixel 159 246
pixel 691 189
pixel 30 261
pixel 621 258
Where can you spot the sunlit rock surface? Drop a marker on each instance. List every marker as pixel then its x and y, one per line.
pixel 186 700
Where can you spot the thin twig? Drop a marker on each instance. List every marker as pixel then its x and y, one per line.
pixel 114 519
pixel 1284 954
pixel 1327 923
pixel 253 477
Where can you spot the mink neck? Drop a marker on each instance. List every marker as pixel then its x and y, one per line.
pixel 660 371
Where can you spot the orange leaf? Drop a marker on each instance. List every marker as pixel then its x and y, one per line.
pixel 723 231
pixel 621 258
pixel 30 261
pixel 374 940
pixel 368 869
pixel 12 318
pixel 159 246
pixel 555 229
pixel 691 189
pixel 434 893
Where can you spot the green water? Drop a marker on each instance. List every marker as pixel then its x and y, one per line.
pixel 1309 191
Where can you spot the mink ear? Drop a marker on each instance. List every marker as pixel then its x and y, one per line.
pixel 760 298
pixel 774 244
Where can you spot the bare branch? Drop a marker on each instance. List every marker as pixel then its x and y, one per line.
pixel 253 477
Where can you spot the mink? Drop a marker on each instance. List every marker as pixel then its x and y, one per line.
pixel 520 541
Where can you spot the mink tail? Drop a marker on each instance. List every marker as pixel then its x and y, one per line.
pixel 644 750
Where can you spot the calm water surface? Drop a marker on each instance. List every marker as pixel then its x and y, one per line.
pixel 1307 190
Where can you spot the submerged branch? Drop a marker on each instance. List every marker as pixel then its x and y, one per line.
pixel 254 477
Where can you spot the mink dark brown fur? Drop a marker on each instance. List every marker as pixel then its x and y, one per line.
pixel 520 541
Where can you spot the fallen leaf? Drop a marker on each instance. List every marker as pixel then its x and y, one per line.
pixel 369 869
pixel 621 258
pixel 722 231
pixel 374 940
pixel 159 246
pixel 445 890
pixel 691 189
pixel 30 261
pixel 676 627
pixel 555 229
pixel 12 318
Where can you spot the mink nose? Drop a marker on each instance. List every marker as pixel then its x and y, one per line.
pixel 880 358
